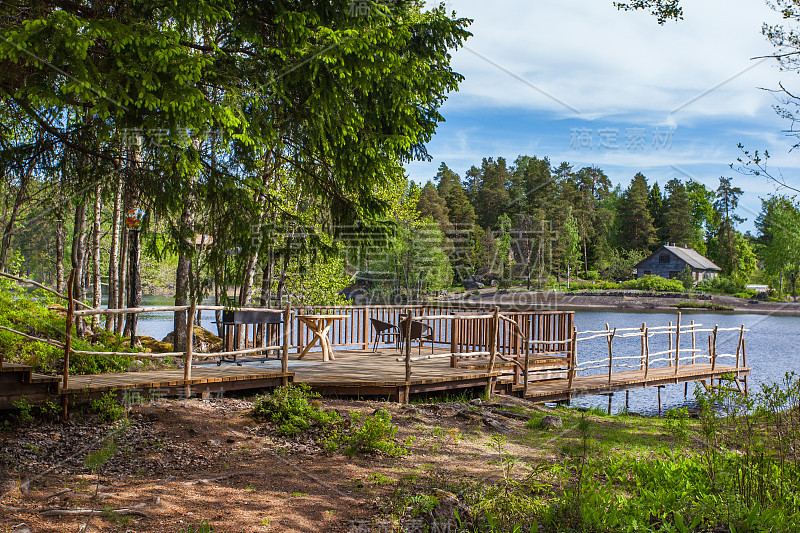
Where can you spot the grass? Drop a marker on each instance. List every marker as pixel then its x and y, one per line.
pixel 734 469
pixel 703 305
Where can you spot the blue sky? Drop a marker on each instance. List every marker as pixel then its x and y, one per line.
pixel 579 81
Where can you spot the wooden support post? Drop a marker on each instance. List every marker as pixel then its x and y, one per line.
pixel 627 398
pixel 287 331
pixel 187 369
pixel 573 359
pixel 407 325
pixel 455 324
pixel 494 330
pixel 366 329
pixel 710 352
pixel 609 339
pixel 610 397
pixel 525 374
pixel 739 345
pixel 693 345
pixel 68 341
pixel 646 352
pixel 659 399
pixel 685 389
pixel 678 343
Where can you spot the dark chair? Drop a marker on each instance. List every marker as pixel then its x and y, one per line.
pixel 384 330
pixel 419 332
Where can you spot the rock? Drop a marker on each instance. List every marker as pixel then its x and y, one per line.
pixel 473 285
pixel 202 341
pixel 494 283
pixel 551 421
pixel 476 401
pixel 496 424
pixel 154 345
pixel 22 528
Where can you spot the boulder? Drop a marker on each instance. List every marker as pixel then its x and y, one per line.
pixel 154 345
pixel 551 421
pixel 203 340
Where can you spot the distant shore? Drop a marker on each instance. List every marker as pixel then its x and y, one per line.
pixel 628 301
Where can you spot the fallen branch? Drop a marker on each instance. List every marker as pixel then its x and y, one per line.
pixel 125 511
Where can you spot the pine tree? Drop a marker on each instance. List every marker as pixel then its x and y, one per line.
pixel 636 223
pixel 725 204
pixel 655 205
pixel 678 227
pixel 430 204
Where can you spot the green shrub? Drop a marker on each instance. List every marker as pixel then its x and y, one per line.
pixel 289 409
pixel 654 283
pixel 720 285
pixel 24 410
pixel 367 434
pixel 108 407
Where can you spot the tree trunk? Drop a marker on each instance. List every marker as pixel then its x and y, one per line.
pixel 266 280
pixel 122 272
pixel 113 258
pixel 60 253
pixel 182 274
pixel 22 193
pixel 134 283
pixel 78 253
pixel 97 299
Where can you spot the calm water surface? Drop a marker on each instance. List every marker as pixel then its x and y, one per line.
pixel 773 348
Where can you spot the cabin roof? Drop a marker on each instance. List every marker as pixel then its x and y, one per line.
pixel 690 256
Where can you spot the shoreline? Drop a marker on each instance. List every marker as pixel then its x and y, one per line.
pixel 626 302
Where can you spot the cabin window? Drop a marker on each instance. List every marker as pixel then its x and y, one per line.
pixel 663 258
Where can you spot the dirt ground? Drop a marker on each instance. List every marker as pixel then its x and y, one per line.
pixel 183 464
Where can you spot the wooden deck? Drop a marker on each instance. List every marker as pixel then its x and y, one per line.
pixel 556 390
pixel 363 373
pixel 205 380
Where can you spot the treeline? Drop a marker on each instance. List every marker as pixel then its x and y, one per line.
pixel 534 220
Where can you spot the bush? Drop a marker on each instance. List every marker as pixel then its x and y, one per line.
pixel 108 407
pixel 367 434
pixel 288 408
pixel 654 283
pixel 720 285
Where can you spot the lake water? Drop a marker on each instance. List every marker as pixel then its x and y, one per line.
pixel 773 347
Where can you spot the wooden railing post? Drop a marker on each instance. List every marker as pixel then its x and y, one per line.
pixel 641 353
pixel 714 348
pixel 187 369
pixel 68 341
pixel 366 329
pixel 609 339
pixel 573 364
pixel 407 325
pixel 494 330
pixel 693 342
pixel 287 328
pixel 669 337
pixel 739 345
pixel 646 351
pixel 677 343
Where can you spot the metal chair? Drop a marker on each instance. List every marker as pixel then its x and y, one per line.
pixel 384 330
pixel 419 332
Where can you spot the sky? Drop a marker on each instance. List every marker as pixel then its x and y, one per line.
pixel 581 82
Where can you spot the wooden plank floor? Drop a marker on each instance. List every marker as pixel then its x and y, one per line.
pixel 588 385
pixel 381 369
pixel 153 379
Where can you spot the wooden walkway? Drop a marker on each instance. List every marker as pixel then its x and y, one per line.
pixel 556 390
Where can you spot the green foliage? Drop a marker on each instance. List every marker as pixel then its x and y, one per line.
pixel 720 285
pixel 108 407
pixel 23 410
pixel 653 283
pixel 676 421
pixel 98 459
pixel 619 265
pixel 369 434
pixel 288 407
pixel 203 527
pixel 687 278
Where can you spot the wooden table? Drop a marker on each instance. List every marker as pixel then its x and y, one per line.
pixel 319 325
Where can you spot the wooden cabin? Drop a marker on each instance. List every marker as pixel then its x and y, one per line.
pixel 670 260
